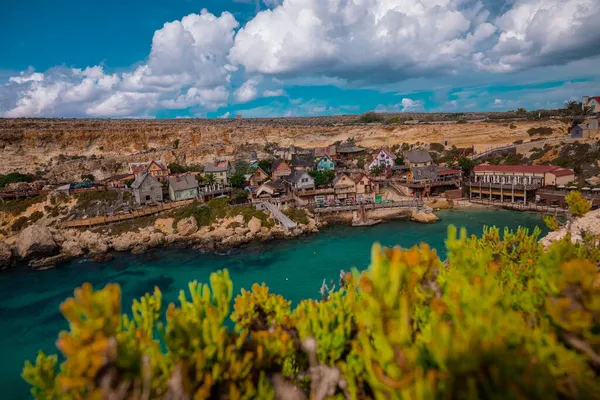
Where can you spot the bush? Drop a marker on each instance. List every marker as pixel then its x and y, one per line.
pixel 19 224
pixel 512 126
pixel 369 118
pixel 499 319
pixel 542 131
pixel 36 216
pixel 520 141
pixel 461 121
pixel 298 215
pixel 16 207
pixel 14 177
pixel 86 198
pixel 438 147
pixel 88 177
pixel 578 206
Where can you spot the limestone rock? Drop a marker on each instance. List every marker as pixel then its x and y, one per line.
pixel 424 217
pixel 297 232
pixel 6 257
pixel 255 225
pixel 238 219
pixel 48 262
pixel 241 231
pixel 71 248
pixel 165 225
pixel 124 242
pixel 35 241
pixel 187 226
pixel 589 223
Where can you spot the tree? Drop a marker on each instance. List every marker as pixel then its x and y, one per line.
pixel 369 118
pixel 521 111
pixel 578 206
pixel 467 165
pixel 243 167
pixel 210 178
pixel 499 318
pixel 360 163
pixel 14 177
pixel 377 170
pixel 240 196
pixel 322 178
pixel 266 165
pixel 399 160
pixel 88 177
pixel 238 180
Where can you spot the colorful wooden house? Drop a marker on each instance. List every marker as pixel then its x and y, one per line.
pixel 183 187
pixel 344 187
pixel 385 159
pixel 258 177
pixel 325 163
pixel 280 169
pixel 156 169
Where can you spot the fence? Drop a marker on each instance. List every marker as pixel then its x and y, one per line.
pixel 522 207
pixel 372 206
pixel 109 219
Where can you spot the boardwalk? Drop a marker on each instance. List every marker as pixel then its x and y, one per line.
pixel 279 216
pixel 355 207
pixel 522 207
pixel 109 219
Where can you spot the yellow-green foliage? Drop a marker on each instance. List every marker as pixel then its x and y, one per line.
pixel 577 204
pixel 500 318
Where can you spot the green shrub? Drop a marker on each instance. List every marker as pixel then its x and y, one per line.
pixel 36 216
pixel 500 318
pixel 437 147
pixel 461 121
pixel 298 215
pixel 14 177
pixel 16 207
pixel 369 118
pixel 520 141
pixel 542 131
pixel 19 224
pixel 85 199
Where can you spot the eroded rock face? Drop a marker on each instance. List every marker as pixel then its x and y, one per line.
pixel 165 225
pixel 254 225
pixel 187 226
pixel 71 248
pixel 423 217
pixel 6 256
pixel 35 241
pixel 589 223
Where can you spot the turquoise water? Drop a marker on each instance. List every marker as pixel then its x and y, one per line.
pixel 29 300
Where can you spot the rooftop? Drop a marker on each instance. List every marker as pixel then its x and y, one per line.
pixel 417 156
pixel 517 168
pixel 183 182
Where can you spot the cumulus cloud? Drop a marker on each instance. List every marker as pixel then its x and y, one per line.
pixel 274 93
pixel 542 32
pixel 248 91
pixel 187 67
pixel 344 43
pixel 406 105
pixel 355 39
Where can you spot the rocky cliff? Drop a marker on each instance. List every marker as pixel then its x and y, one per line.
pixel 66 148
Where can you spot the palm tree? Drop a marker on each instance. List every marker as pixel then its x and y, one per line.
pixel 209 178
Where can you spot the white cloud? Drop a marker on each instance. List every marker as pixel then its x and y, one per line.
pixel 187 67
pixel 498 102
pixel 406 105
pixel 274 93
pixel 248 91
pixel 226 115
pixel 353 39
pixel 543 32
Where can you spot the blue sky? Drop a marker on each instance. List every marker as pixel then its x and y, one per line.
pixel 268 58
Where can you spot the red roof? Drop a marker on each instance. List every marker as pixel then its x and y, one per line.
pixel 516 168
pixel 449 172
pixel 563 172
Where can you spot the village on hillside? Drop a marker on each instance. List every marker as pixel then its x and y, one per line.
pixel 345 177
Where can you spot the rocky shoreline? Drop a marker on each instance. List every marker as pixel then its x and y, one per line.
pixel 43 247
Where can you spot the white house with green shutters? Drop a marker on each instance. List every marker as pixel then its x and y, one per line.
pixel 183 187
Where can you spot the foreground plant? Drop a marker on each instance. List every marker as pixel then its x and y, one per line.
pixel 500 318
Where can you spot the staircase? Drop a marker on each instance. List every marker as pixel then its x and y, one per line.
pixel 398 189
pixel 279 216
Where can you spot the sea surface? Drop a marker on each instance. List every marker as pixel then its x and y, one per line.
pixel 29 300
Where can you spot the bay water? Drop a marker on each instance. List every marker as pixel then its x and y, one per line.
pixel 29 300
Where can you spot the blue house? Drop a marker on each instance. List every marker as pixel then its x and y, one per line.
pixel 325 164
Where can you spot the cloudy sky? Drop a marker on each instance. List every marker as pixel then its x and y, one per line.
pixel 219 58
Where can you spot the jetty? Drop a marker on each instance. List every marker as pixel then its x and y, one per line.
pixel 279 216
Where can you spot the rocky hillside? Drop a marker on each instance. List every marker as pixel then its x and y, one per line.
pixel 66 148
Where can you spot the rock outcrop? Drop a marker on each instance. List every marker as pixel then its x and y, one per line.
pixel 424 217
pixel 6 256
pixel 589 223
pixel 35 241
pixel 165 225
pixel 187 226
pixel 255 225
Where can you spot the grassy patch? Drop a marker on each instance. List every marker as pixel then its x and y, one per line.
pixel 298 215
pixel 542 131
pixel 206 214
pixel 19 224
pixel 16 207
pixel 86 198
pixel 132 225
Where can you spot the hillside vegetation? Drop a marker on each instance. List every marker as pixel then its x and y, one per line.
pixel 501 319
